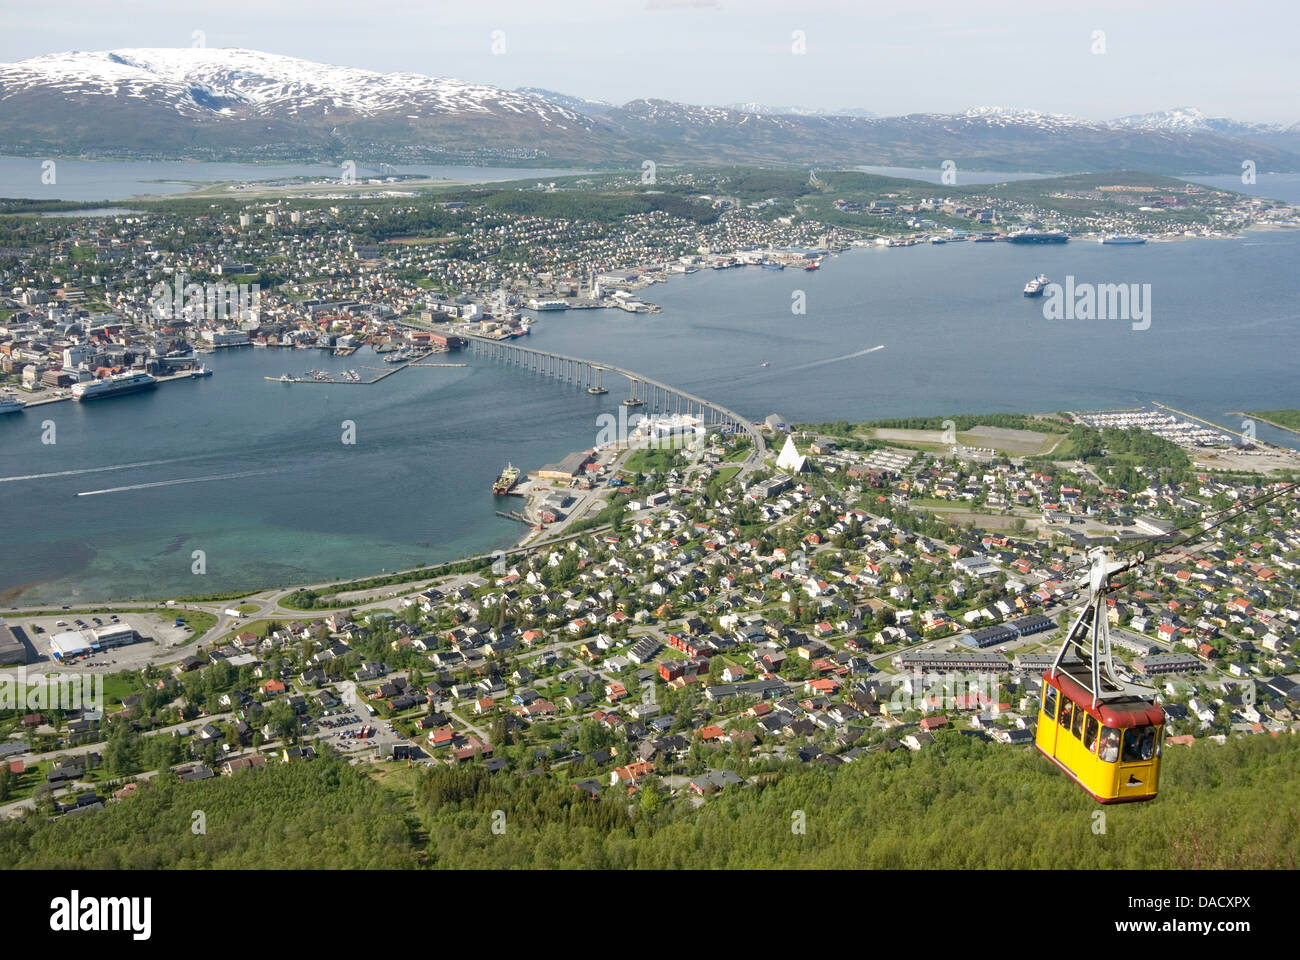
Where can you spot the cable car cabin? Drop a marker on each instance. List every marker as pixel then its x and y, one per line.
pixel 1112 750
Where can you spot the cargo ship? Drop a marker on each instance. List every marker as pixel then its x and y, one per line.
pixel 114 386
pixel 506 482
pixel 1034 236
pixel 1036 286
pixel 1118 240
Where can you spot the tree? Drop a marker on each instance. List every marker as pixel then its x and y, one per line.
pixel 497 733
pixel 160 752
pixel 122 752
pixel 591 736
pixel 650 797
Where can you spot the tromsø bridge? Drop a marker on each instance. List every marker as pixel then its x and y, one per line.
pixel 651 395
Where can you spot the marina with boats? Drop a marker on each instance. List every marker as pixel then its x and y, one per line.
pixel 353 376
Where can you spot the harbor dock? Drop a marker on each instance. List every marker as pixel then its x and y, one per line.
pixel 319 377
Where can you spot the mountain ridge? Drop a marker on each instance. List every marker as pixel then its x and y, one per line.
pixel 251 105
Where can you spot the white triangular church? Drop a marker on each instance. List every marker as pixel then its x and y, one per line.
pixel 790 460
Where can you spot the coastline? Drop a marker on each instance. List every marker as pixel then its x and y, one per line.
pixel 526 538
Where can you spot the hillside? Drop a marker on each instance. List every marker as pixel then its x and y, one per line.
pixel 960 804
pixel 238 104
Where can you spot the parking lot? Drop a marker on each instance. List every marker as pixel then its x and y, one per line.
pixel 344 729
pixel 158 632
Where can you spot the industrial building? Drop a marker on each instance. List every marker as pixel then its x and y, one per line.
pixel 568 468
pixel 71 644
pixel 12 650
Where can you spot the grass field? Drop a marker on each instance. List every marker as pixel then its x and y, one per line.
pixel 259 627
pixel 726 473
pixel 1012 443
pixel 1286 419
pixel 200 622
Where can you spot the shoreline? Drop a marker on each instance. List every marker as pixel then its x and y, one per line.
pixel 531 539
pixel 527 537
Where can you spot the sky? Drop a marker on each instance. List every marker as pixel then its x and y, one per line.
pixel 1098 59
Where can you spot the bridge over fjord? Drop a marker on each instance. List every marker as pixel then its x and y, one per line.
pixel 652 395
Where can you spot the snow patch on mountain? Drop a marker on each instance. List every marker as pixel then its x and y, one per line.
pixel 203 81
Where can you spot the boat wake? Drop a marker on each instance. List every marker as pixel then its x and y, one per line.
pixel 75 473
pixel 168 483
pixel 847 356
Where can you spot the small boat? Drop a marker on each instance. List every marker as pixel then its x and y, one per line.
pixel 764 364
pixel 202 371
pixel 1036 286
pixel 816 264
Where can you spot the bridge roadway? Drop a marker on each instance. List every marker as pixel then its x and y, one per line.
pixel 655 396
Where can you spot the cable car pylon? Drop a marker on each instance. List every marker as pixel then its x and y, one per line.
pixel 1089 637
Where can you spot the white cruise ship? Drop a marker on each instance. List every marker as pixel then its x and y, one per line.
pixel 11 404
pixel 113 386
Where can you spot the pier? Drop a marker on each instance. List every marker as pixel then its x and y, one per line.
pixel 63 394
pixel 383 374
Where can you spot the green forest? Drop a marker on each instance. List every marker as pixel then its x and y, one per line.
pixel 323 815
pixel 961 803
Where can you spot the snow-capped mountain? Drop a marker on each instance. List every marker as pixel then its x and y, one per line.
pixel 200 82
pixel 1192 120
pixel 245 104
pixel 1012 115
pixel 249 104
pixel 765 108
pixel 592 108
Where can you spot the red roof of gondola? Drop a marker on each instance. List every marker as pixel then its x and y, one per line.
pixel 1131 712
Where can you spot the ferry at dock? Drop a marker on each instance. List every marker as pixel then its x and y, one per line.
pixel 1038 236
pixel 506 482
pixel 113 386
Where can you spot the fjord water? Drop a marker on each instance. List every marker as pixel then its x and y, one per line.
pixel 120 179
pixel 268 490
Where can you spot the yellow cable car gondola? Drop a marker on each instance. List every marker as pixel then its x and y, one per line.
pixel 1104 732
